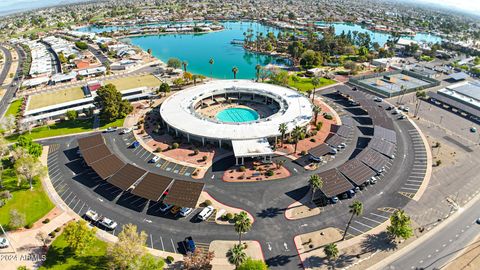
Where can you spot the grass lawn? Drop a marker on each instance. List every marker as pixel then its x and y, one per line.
pixel 59 256
pixel 61 128
pixel 33 203
pixel 134 82
pixel 14 107
pixel 304 84
pixel 116 123
pixel 56 97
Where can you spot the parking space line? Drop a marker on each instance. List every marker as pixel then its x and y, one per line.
pixel 351 227
pixel 58 184
pixel 415 189
pixel 78 201
pixel 74 197
pixel 173 245
pixel 151 241
pixel 379 215
pixel 414 185
pixel 161 241
pixel 365 225
pixel 372 220
pixel 65 192
pixel 150 156
pixel 79 211
pixel 414 181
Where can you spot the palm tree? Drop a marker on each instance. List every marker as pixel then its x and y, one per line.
pixel 315 183
pixel 242 225
pixel 297 133
pixel 316 110
pixel 236 255
pixel 211 62
pixel 257 69
pixel 356 208
pixel 234 70
pixel 331 251
pixel 420 95
pixel 185 64
pixel 315 82
pixel 282 128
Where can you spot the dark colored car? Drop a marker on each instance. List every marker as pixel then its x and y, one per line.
pixel 190 244
pixel 135 144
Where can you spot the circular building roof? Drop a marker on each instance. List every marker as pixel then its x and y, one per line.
pixel 178 110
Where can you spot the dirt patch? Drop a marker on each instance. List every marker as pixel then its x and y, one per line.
pixel 315 240
pixel 220 262
pixel 442 151
pixel 302 209
pixel 255 171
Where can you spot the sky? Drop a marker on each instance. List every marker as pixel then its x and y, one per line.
pixel 471 6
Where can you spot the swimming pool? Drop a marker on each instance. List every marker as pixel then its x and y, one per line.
pixel 237 115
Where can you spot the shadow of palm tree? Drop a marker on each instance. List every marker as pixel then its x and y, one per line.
pixel 270 212
pixel 278 260
pixel 381 242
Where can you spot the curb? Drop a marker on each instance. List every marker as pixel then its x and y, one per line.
pixel 428 172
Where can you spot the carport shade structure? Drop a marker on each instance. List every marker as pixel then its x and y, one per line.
pixel 385 133
pixel 382 146
pixel 126 176
pixel 343 131
pixel 320 150
pixel 152 186
pixel 356 171
pixel 107 166
pixel 334 183
pixel 347 121
pixel 335 140
pixel 95 153
pixel 184 193
pixel 90 141
pixel 372 159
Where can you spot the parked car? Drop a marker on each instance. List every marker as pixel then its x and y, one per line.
pixel 406 109
pixel 111 129
pixel 190 244
pixel 108 223
pixel 389 108
pixel 377 99
pixel 205 213
pixel 478 220
pixel 473 129
pixel 4 243
pixel 165 207
pixel 334 200
pixel 396 111
pixel 401 117
pixel 333 151
pixel 350 193
pixel 79 153
pixel 126 130
pixel 185 211
pixel 342 146
pixel 373 180
pixel 154 159
pixel 175 210
pixel 92 215
pixel 135 144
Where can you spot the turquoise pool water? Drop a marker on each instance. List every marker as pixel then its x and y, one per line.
pixel 237 115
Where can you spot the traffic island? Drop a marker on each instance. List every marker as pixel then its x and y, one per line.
pixel 220 261
pixel 302 209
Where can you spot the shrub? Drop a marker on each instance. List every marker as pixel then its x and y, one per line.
pixel 2 203
pixel 254 168
pixel 175 145
pixel 158 150
pixel 207 202
pixel 303 153
pixel 57 229
pixel 313 140
pixel 229 216
pixel 242 168
pixel 319 125
pixel 17 219
pixel 5 195
pixel 28 226
pixel 438 162
pixel 170 259
pixel 52 234
pixel 204 158
pixel 328 116
pixel 45 221
pixel 269 173
pixel 195 152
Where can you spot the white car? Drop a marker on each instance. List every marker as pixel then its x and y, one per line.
pixel 126 130
pixel 154 159
pixel 111 129
pixel 185 211
pixel 206 213
pixel 406 109
pixel 108 223
pixel 377 99
pixel 92 215
pixel 4 243
pixel 165 207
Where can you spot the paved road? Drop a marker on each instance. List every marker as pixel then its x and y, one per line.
pixel 11 89
pixel 6 66
pixel 267 201
pixel 447 243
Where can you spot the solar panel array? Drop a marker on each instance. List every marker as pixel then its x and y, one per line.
pixel 344 131
pixel 320 150
pixel 334 183
pixel 335 140
pixel 356 171
pixel 150 186
pixel 384 133
pixel 382 146
pixel 373 159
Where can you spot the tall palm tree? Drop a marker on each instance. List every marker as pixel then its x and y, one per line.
pixel 211 62
pixel 236 255
pixel 297 134
pixel 315 183
pixel 420 95
pixel 234 70
pixel 316 110
pixel 315 82
pixel 331 251
pixel 282 128
pixel 242 224
pixel 257 69
pixel 356 208
pixel 185 64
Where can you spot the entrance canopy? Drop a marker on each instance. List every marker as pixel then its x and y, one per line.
pixel 252 148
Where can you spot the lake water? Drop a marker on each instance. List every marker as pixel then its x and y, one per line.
pixel 197 49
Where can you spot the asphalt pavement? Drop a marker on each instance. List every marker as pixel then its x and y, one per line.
pixel 12 88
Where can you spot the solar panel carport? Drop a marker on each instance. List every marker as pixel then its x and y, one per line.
pixel 95 153
pixel 126 176
pixel 184 193
pixel 347 121
pixel 384 133
pixel 90 141
pixel 382 146
pixel 152 186
pixel 335 140
pixel 343 131
pixel 107 166
pixel 372 159
pixel 356 171
pixel 334 183
pixel 320 150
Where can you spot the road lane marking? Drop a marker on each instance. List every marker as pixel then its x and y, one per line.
pixel 173 245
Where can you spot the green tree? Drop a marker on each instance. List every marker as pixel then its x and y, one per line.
pixel 242 224
pixel 251 264
pixel 420 94
pixel 78 235
pixel 16 219
pixel 257 71
pixel 211 62
pixel 32 148
pixel 331 251
pixel 356 208
pixel 315 82
pixel 149 51
pixel 282 128
pixel 316 110
pixel 297 133
pixel 234 70
pixel 61 58
pixel 28 168
pixel 81 45
pixel 129 249
pixel 310 59
pixel 315 182
pixel 164 88
pixel 174 63
pixel 150 262
pixel 236 255
pixel 184 64
pixel 111 104
pixel 72 114
pixel 400 226
pixel 279 77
